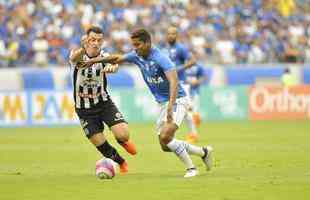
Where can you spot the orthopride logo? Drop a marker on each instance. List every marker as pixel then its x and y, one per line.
pixel 279 102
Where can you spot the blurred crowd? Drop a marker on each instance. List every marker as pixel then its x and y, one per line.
pixel 42 32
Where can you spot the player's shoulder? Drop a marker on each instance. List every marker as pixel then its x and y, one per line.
pixel 131 53
pixel 181 45
pixel 158 53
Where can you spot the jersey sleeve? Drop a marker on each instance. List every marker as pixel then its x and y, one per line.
pixel 130 57
pixel 165 63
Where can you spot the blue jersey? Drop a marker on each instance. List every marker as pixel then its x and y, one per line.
pixel 197 71
pixel 179 54
pixel 153 70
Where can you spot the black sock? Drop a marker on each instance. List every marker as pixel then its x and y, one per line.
pixel 109 151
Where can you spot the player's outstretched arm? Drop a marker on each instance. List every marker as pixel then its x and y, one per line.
pixel 113 59
pixel 90 62
pixel 172 77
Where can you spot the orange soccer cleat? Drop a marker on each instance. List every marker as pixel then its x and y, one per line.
pixel 192 138
pixel 123 168
pixel 130 147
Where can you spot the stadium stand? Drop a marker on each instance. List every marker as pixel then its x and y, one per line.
pixel 223 32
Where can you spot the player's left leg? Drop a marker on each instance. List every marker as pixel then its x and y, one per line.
pixel 121 134
pixel 93 129
pixel 119 127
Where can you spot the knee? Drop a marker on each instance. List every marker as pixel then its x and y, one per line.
pixel 166 136
pixel 125 133
pixel 121 132
pixel 164 148
pixel 164 139
pixel 97 138
pixel 123 137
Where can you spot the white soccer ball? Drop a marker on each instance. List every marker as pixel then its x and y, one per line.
pixel 105 168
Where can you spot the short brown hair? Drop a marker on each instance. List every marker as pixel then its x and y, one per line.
pixel 142 35
pixel 94 29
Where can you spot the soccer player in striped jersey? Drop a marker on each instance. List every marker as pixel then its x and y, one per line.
pixel 93 104
pixel 160 75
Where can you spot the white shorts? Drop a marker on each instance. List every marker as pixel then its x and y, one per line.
pixel 179 111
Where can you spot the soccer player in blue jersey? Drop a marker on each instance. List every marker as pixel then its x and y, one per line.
pixel 160 75
pixel 195 77
pixel 183 60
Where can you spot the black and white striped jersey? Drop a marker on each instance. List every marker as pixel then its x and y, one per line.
pixel 89 84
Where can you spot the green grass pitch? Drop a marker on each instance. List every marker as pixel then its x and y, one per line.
pixel 254 160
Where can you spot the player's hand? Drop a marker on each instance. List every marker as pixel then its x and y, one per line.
pixel 194 82
pixel 170 113
pixel 111 68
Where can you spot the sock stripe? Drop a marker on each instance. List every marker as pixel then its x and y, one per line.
pixel 179 149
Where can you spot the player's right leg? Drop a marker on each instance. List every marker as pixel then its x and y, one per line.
pixel 93 129
pixel 204 152
pixel 166 135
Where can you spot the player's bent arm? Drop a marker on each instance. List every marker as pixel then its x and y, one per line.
pixel 192 61
pixel 76 55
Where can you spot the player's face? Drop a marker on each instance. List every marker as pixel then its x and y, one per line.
pixel 172 35
pixel 94 41
pixel 142 48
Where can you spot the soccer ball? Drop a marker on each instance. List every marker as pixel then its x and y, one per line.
pixel 105 168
